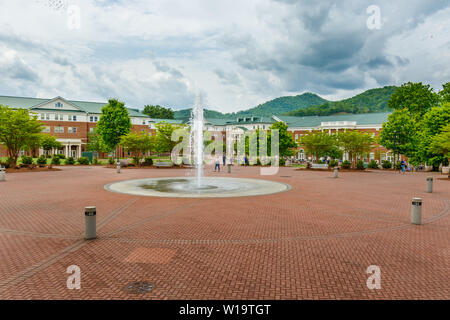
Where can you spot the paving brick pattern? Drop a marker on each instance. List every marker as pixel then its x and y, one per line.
pixel 314 241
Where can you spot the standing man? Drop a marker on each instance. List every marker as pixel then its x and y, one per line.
pixel 217 165
pixel 224 160
pixel 403 166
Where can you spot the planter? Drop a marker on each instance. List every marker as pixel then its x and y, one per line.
pixel 446 170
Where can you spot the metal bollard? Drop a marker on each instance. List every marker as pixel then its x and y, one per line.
pixel 416 211
pixel 90 220
pixel 335 172
pixel 118 167
pixel 229 168
pixel 2 173
pixel 430 184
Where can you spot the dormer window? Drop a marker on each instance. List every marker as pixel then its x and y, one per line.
pixel 58 105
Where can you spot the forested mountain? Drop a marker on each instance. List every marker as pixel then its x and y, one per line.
pixel 373 100
pixel 309 104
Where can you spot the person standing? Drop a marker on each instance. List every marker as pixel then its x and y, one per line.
pixel 403 166
pixel 217 165
pixel 224 160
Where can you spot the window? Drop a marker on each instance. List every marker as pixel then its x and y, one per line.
pixel 46 129
pixel 59 129
pixel 91 130
pixel 72 118
pixel 47 116
pixel 58 105
pixel 143 122
pixel 296 137
pixel 72 129
pixel 42 116
pixel 92 119
pixel 59 117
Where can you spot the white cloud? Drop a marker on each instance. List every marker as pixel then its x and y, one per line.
pixel 238 53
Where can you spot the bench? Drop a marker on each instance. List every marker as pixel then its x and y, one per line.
pixel 163 164
pixel 319 166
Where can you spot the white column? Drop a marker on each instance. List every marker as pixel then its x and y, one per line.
pixel 66 148
pixel 79 150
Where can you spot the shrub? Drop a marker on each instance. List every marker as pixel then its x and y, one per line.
pixel 147 161
pixel 83 160
pixel 360 165
pixel 27 160
pixel 346 164
pixel 282 162
pixel 373 164
pixel 95 161
pixel 258 162
pixel 386 164
pixel 61 156
pixel 41 161
pixel 398 165
pixel 111 160
pixel 70 160
pixel 333 163
pixel 56 160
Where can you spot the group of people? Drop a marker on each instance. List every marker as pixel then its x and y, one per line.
pixel 224 161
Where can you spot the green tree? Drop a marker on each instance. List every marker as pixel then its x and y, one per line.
pixel 33 143
pixel 320 144
pixel 444 94
pixel 49 143
pixel 163 140
pixel 287 143
pixel 416 97
pixel 355 143
pixel 158 112
pixel 16 128
pixel 441 143
pixel 95 144
pixel 400 133
pixel 114 123
pixel 429 126
pixel 137 145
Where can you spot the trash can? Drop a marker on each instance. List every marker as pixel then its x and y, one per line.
pixel 2 173
pixel 430 184
pixel 335 172
pixel 90 219
pixel 416 211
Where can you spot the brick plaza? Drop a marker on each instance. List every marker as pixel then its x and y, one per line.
pixel 314 241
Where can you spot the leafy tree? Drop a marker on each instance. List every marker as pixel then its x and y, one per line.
pixel 158 112
pixel 320 144
pixel 16 128
pixel 137 145
pixel 399 133
pixel 286 140
pixel 33 143
pixel 49 143
pixel 444 94
pixel 95 143
pixel 416 97
pixel 429 126
pixel 163 141
pixel 355 143
pixel 441 143
pixel 114 123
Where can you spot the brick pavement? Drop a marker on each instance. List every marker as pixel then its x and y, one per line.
pixel 314 241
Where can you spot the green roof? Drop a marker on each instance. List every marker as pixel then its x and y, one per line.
pixel 315 121
pixel 86 106
pixel 171 121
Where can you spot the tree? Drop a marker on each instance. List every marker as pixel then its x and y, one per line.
pixel 114 123
pixel 33 143
pixel 286 140
pixel 416 97
pixel 137 145
pixel 320 144
pixel 49 143
pixel 95 144
pixel 430 126
pixel 441 143
pixel 399 133
pixel 158 112
pixel 163 141
pixel 355 143
pixel 444 94
pixel 16 128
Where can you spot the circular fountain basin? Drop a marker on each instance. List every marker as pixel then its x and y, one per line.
pixel 186 187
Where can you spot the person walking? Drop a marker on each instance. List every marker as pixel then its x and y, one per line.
pixel 403 166
pixel 217 165
pixel 224 160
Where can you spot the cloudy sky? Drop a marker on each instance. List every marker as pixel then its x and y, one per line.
pixel 237 53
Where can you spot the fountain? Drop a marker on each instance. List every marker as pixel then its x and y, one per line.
pixel 198 186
